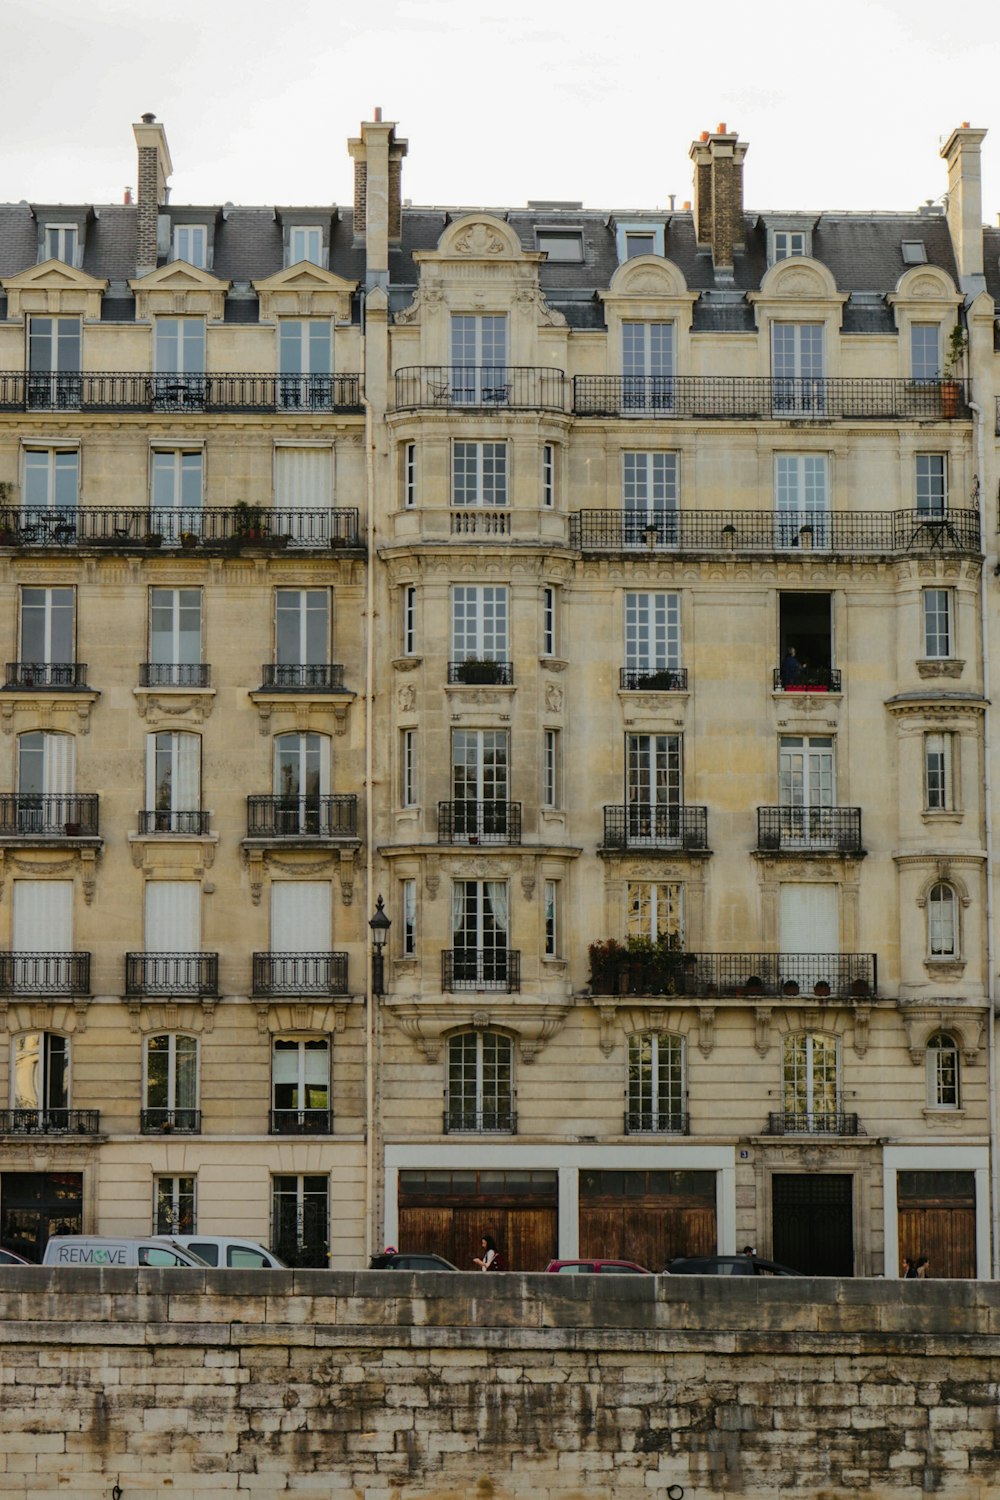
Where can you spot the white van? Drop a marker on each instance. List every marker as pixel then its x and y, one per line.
pixel 228 1251
pixel 100 1251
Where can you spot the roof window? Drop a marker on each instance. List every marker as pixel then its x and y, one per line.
pixel 914 253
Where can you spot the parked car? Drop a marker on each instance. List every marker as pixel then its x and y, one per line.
pixel 612 1267
pixel 226 1251
pixel 104 1250
pixel 8 1258
pixel 396 1260
pixel 727 1265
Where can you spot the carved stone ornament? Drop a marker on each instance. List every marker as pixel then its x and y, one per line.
pixel 706 1029
pixel 762 1029
pixel 553 698
pixel 427 1022
pixel 965 1023
pixel 479 239
pixel 407 698
pixel 935 667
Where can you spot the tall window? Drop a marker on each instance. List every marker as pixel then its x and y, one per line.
pixel 171 1082
pixel 408 891
pixel 303 492
pixel 191 244
pixel 173 929
pixel 409 619
pixel 802 500
pixel 480 1071
pixel 173 783
pixel 54 362
pixel 931 483
pixel 653 786
pixel 301 780
pixel 408 768
pixel 479 622
pixel 649 498
pixel 478 473
pixel 479 359
pixel 305 242
pixel 300 1219
pixel 937 622
pixel 806 789
pixel 48 635
pixel 45 782
pixel 409 475
pixel 550 768
pixel 174 1205
pixel 797 367
pixel 175 637
pixel 943 1076
pixel 810 1082
pixel 925 351
pixel 301 637
pixel 480 923
pixel 548 622
pixel 300 1085
pixel 552 933
pixel 51 479
pixel 305 363
pixel 656 910
pixel 652 636
pixel 40 1081
pixel 179 361
pixel 647 366
pixel 480 784
pixel 62 242
pixel 656 1082
pixel 939 778
pixel 178 491
pixel 942 921
pixel 548 475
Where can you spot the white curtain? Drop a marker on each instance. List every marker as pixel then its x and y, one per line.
pixel 457 907
pixel 173 916
pixel 496 890
pixel 187 773
pixel 57 764
pixel 43 916
pixel 300 916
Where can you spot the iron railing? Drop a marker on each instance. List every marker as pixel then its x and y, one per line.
pixel 812 680
pixel 50 1121
pixel 281 817
pixel 812 1122
pixel 650 970
pixel 197 528
pixel 192 976
pixel 761 397
pixel 656 1122
pixel 793 532
pixel 299 974
pixel 500 1121
pixel 50 675
pixel 44 974
pixel 653 679
pixel 521 387
pixel 633 825
pixel 175 674
pixel 68 815
pixel 480 969
pixel 312 677
pixel 300 1121
pixel 482 672
pixel 161 820
pixel 170 1121
pixel 134 390
pixel 834 829
pixel 479 822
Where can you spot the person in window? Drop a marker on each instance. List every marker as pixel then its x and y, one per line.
pixel 491 1259
pixel 791 669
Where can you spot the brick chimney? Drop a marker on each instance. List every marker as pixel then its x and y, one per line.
pixel 965 204
pixel 378 205
pixel 155 167
pixel 718 195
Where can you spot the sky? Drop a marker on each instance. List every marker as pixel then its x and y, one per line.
pixel 844 106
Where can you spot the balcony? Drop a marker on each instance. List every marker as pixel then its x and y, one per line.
pixel 656 1122
pixel 43 975
pixel 46 676
pixel 480 969
pixel 181 976
pixel 812 680
pixel 475 387
pixel 292 818
pixel 170 1121
pixel 459 1121
pixel 33 815
pixel 174 674
pixel 300 1122
pixel 760 398
pixel 317 677
pixel 799 830
pixel 481 671
pixel 632 826
pixel 644 968
pixel 50 1121
pixel 218 530
pixel 877 533
pixel 293 974
pixel 653 680
pixel 813 1122
pixel 138 391
pixel 187 824
pixel 479 822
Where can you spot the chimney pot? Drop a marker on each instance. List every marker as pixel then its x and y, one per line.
pixel 128 195
pixel 718 197
pixel 686 205
pixel 704 135
pixel 721 129
pixel 965 125
pixel 148 119
pixel 378 114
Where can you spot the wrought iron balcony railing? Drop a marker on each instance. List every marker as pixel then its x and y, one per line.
pixel 312 677
pixel 69 815
pixel 217 529
pixel 50 1121
pixel 653 679
pixel 134 390
pixel 517 387
pixel 170 1121
pixel 194 824
pixel 761 397
pixel 301 1122
pixel 175 674
pixel 875 533
pixel 836 830
pixel 280 817
pixel 186 976
pixel 650 970
pixel 499 1121
pixel 812 680
pixel 812 1122
pixel 48 676
pixel 632 825
pixel 481 671
pixel 276 974
pixel 656 1122
pixel 480 969
pixel 44 974
pixel 479 822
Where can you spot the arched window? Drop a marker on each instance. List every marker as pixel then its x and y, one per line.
pixel 942 921
pixel 302 783
pixel 171 1095
pixel 40 1080
pixel 656 1083
pixel 943 1081
pixel 480 1082
pixel 810 1092
pixel 45 801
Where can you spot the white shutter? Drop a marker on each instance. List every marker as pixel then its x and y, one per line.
pixel 43 916
pixel 300 916
pixel 303 478
pixel 173 916
pixel 57 764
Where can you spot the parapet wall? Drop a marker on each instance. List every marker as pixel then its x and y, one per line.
pixel 391 1386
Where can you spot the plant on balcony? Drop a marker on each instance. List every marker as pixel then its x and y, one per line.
pixel 640 966
pixel 249 523
pixel 189 540
pixel 951 389
pixel 480 669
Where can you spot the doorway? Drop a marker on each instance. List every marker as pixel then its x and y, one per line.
pixel 812 1222
pixel 36 1205
pixel 649 1217
pixel 937 1219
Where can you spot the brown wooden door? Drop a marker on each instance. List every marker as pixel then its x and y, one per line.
pixel 651 1234
pixel 528 1237
pixel 946 1235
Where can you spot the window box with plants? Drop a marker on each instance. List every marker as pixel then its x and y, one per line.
pixel 480 669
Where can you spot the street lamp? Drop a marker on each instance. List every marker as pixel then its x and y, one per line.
pixel 379 925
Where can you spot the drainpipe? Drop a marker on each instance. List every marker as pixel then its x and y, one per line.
pixel 369 803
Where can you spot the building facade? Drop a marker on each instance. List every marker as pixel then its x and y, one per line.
pixel 607 593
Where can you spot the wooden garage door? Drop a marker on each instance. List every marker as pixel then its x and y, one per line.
pixel 448 1212
pixel 937 1218
pixel 647 1217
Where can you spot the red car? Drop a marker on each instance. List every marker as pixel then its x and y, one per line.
pixel 605 1267
pixel 8 1258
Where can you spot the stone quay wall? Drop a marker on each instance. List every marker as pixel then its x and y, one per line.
pixel 391 1386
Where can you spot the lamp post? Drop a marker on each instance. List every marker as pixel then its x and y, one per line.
pixel 379 925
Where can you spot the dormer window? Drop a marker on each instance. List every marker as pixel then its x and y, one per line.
pixel 62 243
pixel 786 243
pixel 305 242
pixel 561 244
pixel 191 244
pixel 632 240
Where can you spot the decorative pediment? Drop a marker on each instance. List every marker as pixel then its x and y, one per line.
pixel 427 1023
pixel 179 288
pixel 799 278
pixel 649 276
pixel 966 1023
pixel 53 287
pixel 924 284
pixel 479 237
pixel 305 290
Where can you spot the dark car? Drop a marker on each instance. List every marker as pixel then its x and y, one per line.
pixel 727 1265
pixel 8 1258
pixel 396 1260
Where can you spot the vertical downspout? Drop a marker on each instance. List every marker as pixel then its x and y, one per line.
pixel 369 804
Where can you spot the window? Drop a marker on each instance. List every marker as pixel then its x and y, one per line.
pixel 305 363
pixel 479 622
pixel 179 362
pixel 810 1082
pixel 548 475
pixel 301 782
pixel 788 242
pixel 173 783
pixel 45 783
pixel 931 483
pixel 480 1072
pixel 479 360
pixel 480 924
pixel 173 928
pixel 40 1080
pixel 409 619
pixel 638 239
pixel 301 637
pixel 51 479
pixel 171 1088
pixel 408 891
pixel 408 768
pixel 191 244
pixel 48 636
pixel 62 242
pixel 409 475
pixel 479 473
pixel 802 499
pixel 305 242
pixel 925 351
pixel 42 927
pixel 300 1085
pixel 797 366
pixel 300 1219
pixel 654 787
pixel 552 943
pixel 560 244
pixel 647 366
pixel 177 492
pixel 943 1078
pixel 548 621
pixel 480 784
pixel 550 768
pixel 638 242
pixel 652 637
pixel 942 921
pixel 937 622
pixel 656 1082
pixel 805 777
pixel 175 637
pixel 649 497
pixel 939 786
pixel 300 960
pixel 914 252
pixel 173 1207
pixel 656 910
pixel 303 492
pixel 54 363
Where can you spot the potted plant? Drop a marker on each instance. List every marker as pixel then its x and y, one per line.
pixel 153 539
pixel 8 518
pixel 754 985
pixel 72 830
pixel 789 987
pixel 189 540
pixel 606 962
pixel 951 385
pixel 248 522
pixel 480 670
pixel 821 989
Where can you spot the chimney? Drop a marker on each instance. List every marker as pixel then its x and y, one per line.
pixel 378 205
pixel 965 204
pixel 718 195
pixel 155 167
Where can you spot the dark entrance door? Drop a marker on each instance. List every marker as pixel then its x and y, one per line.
pixel 448 1212
pixel 35 1205
pixel 937 1219
pixel 648 1217
pixel 812 1222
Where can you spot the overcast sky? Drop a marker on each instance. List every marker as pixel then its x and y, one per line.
pixel 844 106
